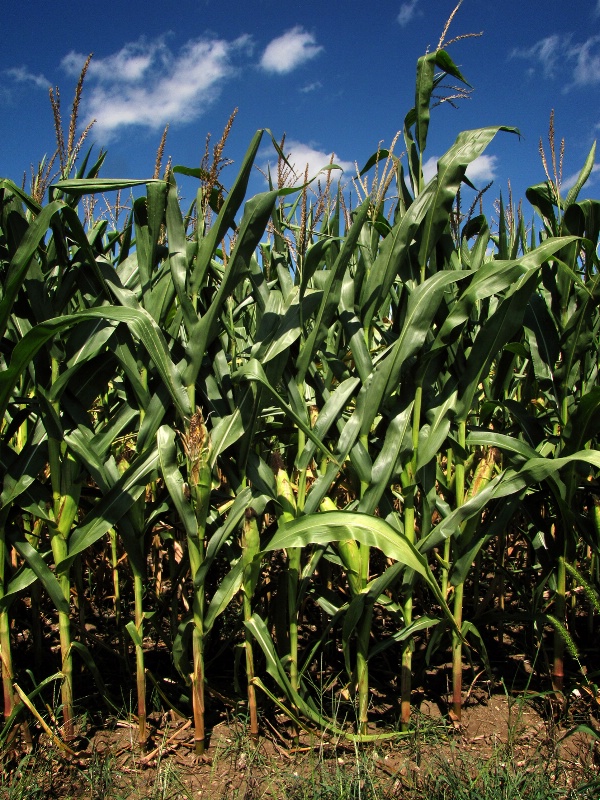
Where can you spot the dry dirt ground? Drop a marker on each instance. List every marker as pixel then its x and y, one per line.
pixel 495 729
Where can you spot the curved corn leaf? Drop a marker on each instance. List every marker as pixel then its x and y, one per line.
pixel 452 167
pixel 138 321
pixel 42 571
pixel 113 505
pixel 167 455
pixel 510 482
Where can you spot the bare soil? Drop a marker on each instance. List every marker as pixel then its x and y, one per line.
pixel 107 762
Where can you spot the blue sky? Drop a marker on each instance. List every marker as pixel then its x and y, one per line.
pixel 335 77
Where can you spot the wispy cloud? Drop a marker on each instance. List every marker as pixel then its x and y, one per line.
pixel 300 155
pixel 131 63
pixel 289 51
pixel 147 85
pixel 22 75
pixel 407 11
pixel 482 170
pixel 311 87
pixel 547 52
pixel 578 62
pixel 587 62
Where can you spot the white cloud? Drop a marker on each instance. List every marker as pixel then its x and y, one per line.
pixel 311 87
pixel 587 63
pixel 288 51
pixel 430 168
pixel 22 75
pixel 130 63
pixel 558 51
pixel 408 11
pixel 547 51
pixel 481 170
pixel 299 155
pixel 147 85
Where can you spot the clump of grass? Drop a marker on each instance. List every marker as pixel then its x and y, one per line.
pixel 464 777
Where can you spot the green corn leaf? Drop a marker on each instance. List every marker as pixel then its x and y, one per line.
pixel 253 371
pixel 42 571
pixel 236 513
pixel 181 648
pixel 396 440
pixel 331 293
pixel 225 592
pixel 492 278
pixel 178 258
pixel 423 304
pixel 583 424
pixel 496 332
pixel 113 505
pixel 335 526
pixel 19 264
pixel 452 167
pixel 394 252
pixel 138 321
pixel 226 219
pixel 464 563
pixel 229 430
pixel 329 414
pixel 24 469
pixel 257 213
pixel 362 604
pixel 134 633
pixel 353 329
pixel 534 471
pixel 281 324
pixel 98 334
pixel 543 339
pixel 80 442
pixel 433 436
pixel 585 173
pixel 167 453
pixel 420 624
pixel 7 186
pixel 425 85
pixel 81 186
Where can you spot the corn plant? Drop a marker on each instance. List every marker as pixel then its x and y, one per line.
pixel 332 411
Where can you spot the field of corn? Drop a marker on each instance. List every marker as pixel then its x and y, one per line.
pixel 295 450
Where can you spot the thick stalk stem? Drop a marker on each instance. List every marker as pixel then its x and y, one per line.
pixel 5 645
pixel 459 492
pixel 362 669
pixel 65 494
pixel 362 646
pixel 197 446
pixel 198 689
pixel 59 552
pixel 447 543
pixel 252 707
pixel 558 668
pixel 140 670
pixel 407 612
pixel 457 652
pixel 250 547
pixel 114 556
pixel 409 489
